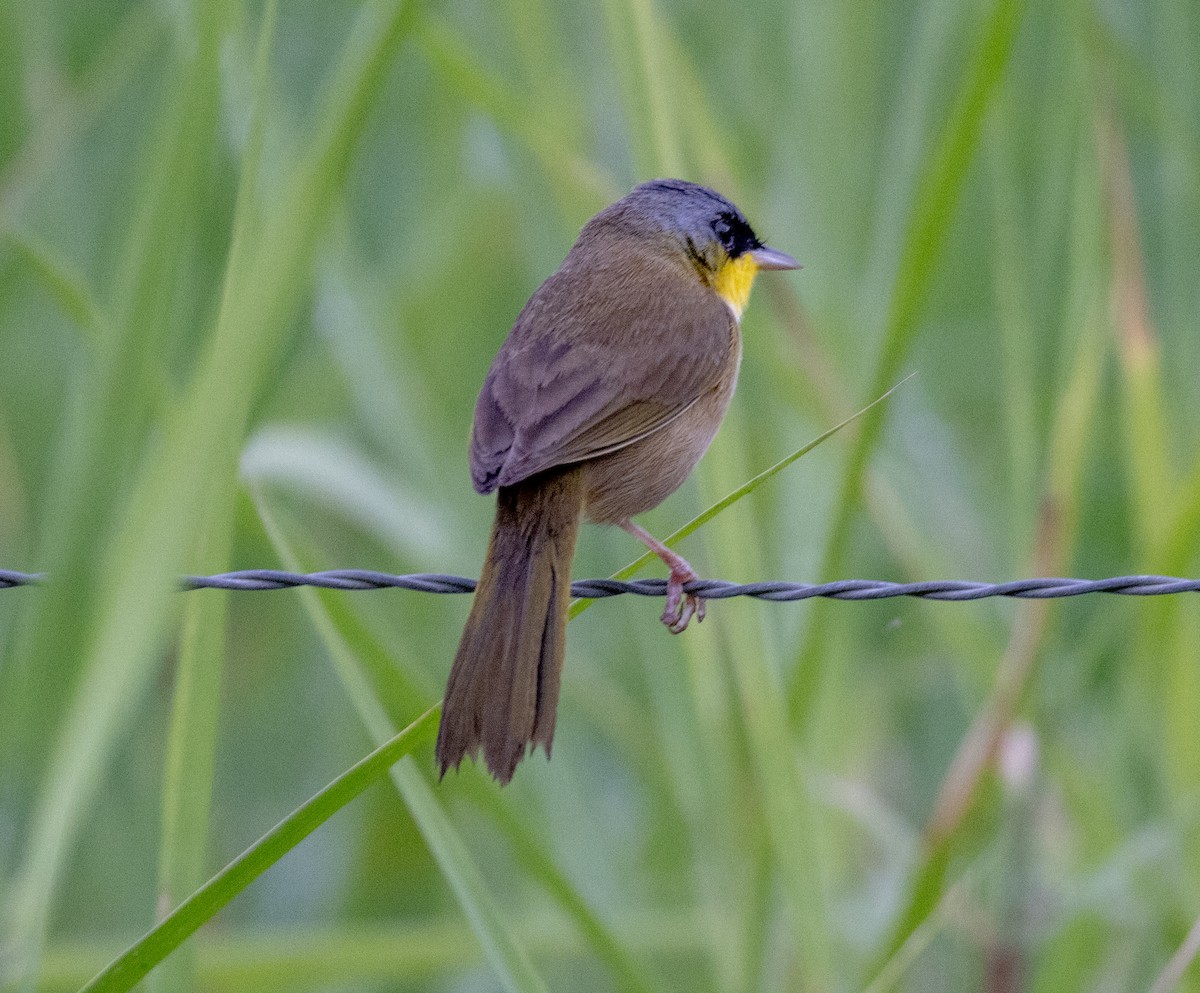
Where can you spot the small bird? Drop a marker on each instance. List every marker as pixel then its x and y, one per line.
pixel 608 389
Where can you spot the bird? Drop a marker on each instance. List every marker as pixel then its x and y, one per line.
pixel 603 397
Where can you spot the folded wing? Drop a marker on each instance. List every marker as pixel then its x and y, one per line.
pixel 568 386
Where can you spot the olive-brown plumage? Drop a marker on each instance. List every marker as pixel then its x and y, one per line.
pixel 605 394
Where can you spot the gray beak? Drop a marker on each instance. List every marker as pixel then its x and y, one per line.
pixel 769 258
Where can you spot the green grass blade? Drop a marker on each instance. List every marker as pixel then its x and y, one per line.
pixel 794 830
pixel 1164 649
pixel 503 952
pixel 785 805
pixel 579 606
pixel 102 437
pixel 196 453
pixel 191 751
pixel 463 70
pixel 918 941
pixel 192 739
pixel 1149 473
pixel 1072 435
pixel 337 641
pixel 132 966
pixel 654 64
pixel 335 474
pixel 933 207
pixel 506 956
pixel 64 284
pixel 1017 333
pixel 388 954
pixel 531 851
pixel 55 128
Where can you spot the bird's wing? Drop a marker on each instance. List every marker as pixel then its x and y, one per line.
pixel 568 387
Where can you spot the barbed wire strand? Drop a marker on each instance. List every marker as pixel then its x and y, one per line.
pixel 711 589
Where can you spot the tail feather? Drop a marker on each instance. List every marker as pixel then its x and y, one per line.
pixel 503 689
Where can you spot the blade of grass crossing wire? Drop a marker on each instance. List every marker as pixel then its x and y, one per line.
pixel 919 558
pixel 781 792
pixel 933 207
pixel 579 606
pixel 124 972
pixel 707 147
pixel 503 952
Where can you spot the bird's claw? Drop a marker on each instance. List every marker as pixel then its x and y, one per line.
pixel 681 607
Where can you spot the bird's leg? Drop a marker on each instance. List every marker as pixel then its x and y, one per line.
pixel 680 606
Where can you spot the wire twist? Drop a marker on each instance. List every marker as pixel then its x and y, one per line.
pixel 711 589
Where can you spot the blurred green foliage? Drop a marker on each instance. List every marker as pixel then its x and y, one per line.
pixel 253 266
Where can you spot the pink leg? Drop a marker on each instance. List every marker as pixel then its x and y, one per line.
pixel 680 606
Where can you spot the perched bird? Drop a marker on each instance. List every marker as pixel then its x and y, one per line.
pixel 605 394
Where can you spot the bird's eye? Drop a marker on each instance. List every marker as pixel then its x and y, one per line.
pixel 724 232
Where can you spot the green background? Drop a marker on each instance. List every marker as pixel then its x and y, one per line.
pixel 253 266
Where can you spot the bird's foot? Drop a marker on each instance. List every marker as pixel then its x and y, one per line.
pixel 681 606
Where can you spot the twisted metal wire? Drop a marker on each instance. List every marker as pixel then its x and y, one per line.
pixel 712 589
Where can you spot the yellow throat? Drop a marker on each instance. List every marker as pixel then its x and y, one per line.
pixel 733 281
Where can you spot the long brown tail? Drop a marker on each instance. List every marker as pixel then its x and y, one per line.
pixel 503 688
